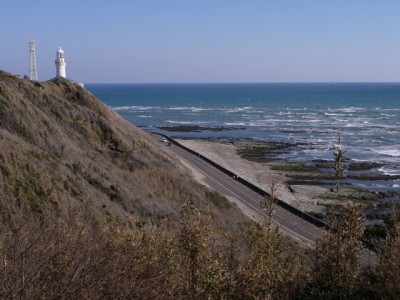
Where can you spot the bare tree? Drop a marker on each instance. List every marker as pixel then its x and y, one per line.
pixel 268 203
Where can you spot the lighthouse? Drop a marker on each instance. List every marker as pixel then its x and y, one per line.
pixel 60 63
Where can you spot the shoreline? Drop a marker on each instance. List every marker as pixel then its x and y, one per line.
pixel 362 172
pixel 299 185
pixel 258 173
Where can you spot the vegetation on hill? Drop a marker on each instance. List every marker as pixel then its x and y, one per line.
pixel 60 144
pixel 92 207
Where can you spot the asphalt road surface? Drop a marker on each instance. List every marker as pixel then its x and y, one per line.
pixel 227 186
pixel 287 222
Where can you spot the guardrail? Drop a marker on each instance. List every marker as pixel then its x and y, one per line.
pixel 261 192
pixel 301 214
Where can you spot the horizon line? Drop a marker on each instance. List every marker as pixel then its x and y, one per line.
pixel 250 82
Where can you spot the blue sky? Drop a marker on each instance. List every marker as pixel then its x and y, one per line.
pixel 205 40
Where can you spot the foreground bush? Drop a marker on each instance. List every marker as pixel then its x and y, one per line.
pixel 73 255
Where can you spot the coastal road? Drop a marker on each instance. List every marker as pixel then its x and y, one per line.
pixel 229 187
pixel 287 222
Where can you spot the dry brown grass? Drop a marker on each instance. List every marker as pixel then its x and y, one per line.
pixel 89 155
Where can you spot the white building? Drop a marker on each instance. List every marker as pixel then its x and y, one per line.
pixel 60 63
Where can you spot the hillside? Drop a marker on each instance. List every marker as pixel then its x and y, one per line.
pixel 92 207
pixel 61 145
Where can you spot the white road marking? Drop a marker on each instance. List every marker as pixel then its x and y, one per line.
pixel 249 204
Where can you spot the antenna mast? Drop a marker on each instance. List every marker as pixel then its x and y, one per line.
pixel 32 61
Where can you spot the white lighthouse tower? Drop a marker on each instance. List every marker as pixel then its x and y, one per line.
pixel 60 64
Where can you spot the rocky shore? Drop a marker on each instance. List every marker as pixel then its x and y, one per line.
pixel 196 128
pixel 307 186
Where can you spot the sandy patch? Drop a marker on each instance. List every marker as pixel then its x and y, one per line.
pixel 304 197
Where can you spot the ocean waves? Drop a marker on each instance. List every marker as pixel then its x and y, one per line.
pixel 355 123
pixel 388 152
pixel 368 120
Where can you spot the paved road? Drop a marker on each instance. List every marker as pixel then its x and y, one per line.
pixel 285 220
pixel 227 186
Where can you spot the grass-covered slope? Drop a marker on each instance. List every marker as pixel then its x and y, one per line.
pixel 60 145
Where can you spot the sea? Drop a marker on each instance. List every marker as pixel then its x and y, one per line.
pixel 308 115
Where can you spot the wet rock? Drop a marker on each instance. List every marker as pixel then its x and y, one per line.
pixel 324 164
pixel 312 176
pixel 363 166
pixel 261 151
pixel 373 177
pixel 387 194
pixel 311 182
pixel 196 128
pixel 356 194
pixel 295 167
